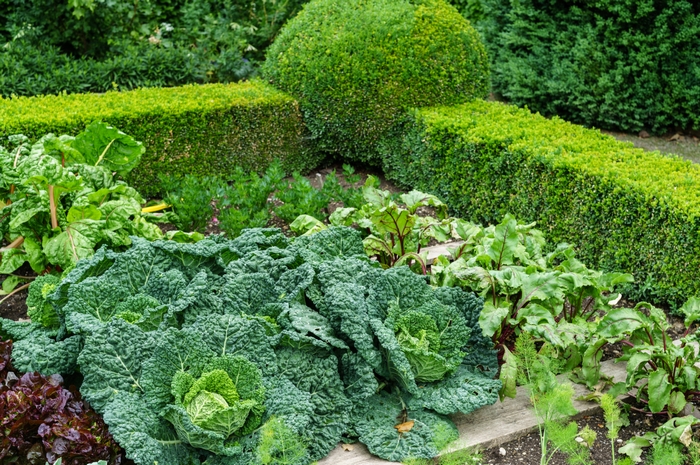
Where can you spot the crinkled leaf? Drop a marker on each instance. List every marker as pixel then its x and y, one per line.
pixel 376 420
pixel 111 362
pixel 146 438
pixel 463 391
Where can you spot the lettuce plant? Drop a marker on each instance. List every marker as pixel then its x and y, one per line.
pixel 263 349
pixel 42 420
pixel 61 198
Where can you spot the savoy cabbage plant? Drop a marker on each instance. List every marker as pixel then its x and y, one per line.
pixel 261 349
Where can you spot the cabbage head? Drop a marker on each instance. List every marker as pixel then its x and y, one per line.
pixel 222 403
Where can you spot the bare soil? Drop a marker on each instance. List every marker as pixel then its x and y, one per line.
pixel 527 450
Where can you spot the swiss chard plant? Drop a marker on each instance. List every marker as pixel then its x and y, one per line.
pixel 261 349
pixel 62 199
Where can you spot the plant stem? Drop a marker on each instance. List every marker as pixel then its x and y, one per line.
pixel 52 207
pixel 14 244
pixel 104 152
pixel 21 288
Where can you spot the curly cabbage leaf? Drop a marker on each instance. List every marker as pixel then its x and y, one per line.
pixel 376 421
pixel 147 438
pixel 111 362
pixel 463 391
pixel 39 309
pixel 328 244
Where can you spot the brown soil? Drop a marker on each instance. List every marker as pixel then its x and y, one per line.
pixel 527 451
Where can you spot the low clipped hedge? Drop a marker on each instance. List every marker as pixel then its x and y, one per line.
pixel 200 130
pixel 626 209
pixel 356 66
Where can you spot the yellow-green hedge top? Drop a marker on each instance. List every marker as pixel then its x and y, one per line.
pixel 19 113
pixel 564 144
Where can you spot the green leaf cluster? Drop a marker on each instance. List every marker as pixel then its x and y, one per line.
pixel 553 296
pixel 248 200
pixel 663 370
pixel 356 66
pixel 396 232
pixel 62 198
pixel 263 349
pixel 552 402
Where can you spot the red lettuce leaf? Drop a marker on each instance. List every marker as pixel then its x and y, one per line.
pixel 42 421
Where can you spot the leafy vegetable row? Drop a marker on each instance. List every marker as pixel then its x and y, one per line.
pixel 261 349
pixel 61 198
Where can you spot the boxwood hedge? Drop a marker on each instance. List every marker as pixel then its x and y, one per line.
pixel 202 130
pixel 358 65
pixel 626 209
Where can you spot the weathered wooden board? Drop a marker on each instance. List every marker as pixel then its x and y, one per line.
pixel 487 427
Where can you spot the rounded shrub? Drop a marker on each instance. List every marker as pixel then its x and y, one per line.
pixel 356 66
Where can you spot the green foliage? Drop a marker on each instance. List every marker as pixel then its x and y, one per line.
pixel 614 420
pixel 666 454
pixel 299 197
pixel 666 366
pixel 244 200
pixel 39 309
pixel 185 130
pixel 191 200
pixel 263 349
pixel 668 438
pixel 554 296
pixel 356 66
pixel 396 231
pixel 62 199
pixel 625 65
pixel 625 209
pixel 93 46
pixel 279 444
pixel 552 403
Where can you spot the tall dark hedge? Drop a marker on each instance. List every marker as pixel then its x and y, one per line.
pixel 356 66
pixel 616 64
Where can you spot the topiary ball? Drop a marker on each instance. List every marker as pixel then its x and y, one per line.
pixel 356 66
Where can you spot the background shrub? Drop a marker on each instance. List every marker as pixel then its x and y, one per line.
pixel 88 45
pixel 199 130
pixel 625 209
pixel 356 65
pixel 616 64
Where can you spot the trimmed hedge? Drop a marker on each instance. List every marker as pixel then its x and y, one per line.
pixel 200 130
pixel 356 66
pixel 626 209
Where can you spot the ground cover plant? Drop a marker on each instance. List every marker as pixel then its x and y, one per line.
pixel 262 349
pixel 248 200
